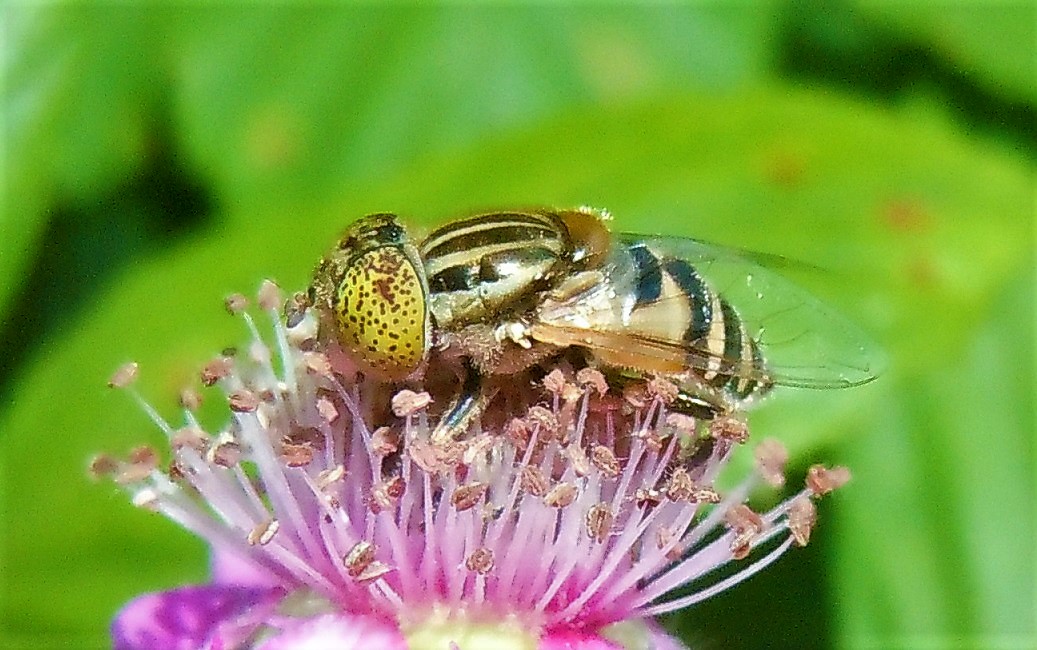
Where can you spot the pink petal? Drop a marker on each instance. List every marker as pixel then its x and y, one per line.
pixel 576 640
pixel 233 569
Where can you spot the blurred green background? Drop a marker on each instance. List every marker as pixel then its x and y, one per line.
pixel 156 160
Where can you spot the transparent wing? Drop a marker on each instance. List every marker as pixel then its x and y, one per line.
pixel 801 341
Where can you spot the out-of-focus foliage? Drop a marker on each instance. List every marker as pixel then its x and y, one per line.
pixel 155 161
pixel 994 48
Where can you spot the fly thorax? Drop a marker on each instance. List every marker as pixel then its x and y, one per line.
pixel 496 284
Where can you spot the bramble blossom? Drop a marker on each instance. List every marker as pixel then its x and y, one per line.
pixel 334 520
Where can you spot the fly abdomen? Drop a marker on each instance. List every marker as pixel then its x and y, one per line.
pixel 759 381
pixel 701 301
pixel 743 366
pixel 648 275
pixel 671 301
pixel 732 357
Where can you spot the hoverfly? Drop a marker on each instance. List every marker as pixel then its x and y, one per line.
pixel 498 293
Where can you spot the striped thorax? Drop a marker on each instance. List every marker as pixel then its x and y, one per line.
pixel 492 266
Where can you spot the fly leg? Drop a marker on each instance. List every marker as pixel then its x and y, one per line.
pixel 688 403
pixel 469 403
pixel 694 399
pixel 721 418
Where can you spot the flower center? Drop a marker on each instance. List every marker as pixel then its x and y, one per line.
pixel 443 628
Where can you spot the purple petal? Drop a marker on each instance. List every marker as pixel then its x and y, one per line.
pixel 342 632
pixel 190 617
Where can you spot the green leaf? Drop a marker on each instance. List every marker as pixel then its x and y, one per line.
pixel 382 85
pixel 994 44
pixel 281 106
pixel 76 98
pixel 945 482
pixel 922 227
pixel 79 84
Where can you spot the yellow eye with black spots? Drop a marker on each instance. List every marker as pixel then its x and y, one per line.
pixel 373 288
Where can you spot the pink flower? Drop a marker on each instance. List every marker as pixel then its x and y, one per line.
pixel 569 525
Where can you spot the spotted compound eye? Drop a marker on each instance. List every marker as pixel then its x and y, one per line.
pixel 381 312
